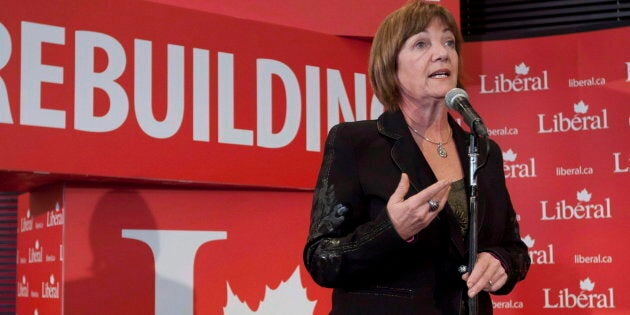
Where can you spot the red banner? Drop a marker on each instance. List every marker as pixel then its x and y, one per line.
pixel 40 252
pixel 132 89
pixel 558 107
pixel 145 251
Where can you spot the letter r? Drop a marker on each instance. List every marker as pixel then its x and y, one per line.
pixel 5 54
pixel 174 253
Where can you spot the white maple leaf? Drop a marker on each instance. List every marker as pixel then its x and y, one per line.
pixel 580 108
pixel 584 195
pixel 587 284
pixel 288 298
pixel 522 69
pixel 529 241
pixel 509 155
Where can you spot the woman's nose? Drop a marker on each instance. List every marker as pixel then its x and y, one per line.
pixel 440 53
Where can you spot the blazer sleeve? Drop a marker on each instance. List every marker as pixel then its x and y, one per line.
pixel 342 244
pixel 510 250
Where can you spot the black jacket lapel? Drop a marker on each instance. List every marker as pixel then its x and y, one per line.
pixel 406 154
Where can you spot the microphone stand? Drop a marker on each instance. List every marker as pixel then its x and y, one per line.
pixel 473 154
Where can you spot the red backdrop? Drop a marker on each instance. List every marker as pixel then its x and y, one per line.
pixel 133 90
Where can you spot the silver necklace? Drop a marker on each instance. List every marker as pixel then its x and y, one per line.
pixel 440 145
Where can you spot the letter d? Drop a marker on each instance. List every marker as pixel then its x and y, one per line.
pixel 266 69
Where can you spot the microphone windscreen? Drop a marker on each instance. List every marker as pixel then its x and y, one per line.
pixel 452 95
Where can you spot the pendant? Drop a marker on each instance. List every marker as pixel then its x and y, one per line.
pixel 441 151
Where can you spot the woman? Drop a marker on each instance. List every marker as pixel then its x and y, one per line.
pixel 389 218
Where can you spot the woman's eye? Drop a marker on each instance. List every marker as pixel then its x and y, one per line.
pixel 450 43
pixel 421 44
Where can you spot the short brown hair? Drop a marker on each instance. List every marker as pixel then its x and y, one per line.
pixel 397 27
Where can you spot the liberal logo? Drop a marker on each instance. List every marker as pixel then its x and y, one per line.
pixel 512 169
pixel 522 81
pixel 50 289
pixel 580 120
pixel 54 218
pixel 584 209
pixel 587 298
pixel 26 224
pixel 36 255
pixel 22 288
pixel 542 256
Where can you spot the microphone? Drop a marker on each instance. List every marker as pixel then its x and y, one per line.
pixel 457 99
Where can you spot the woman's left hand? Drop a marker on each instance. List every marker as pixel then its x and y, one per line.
pixel 487 275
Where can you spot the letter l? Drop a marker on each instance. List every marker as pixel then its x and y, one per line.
pixel 174 253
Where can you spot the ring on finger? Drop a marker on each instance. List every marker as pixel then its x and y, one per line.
pixel 433 205
pixel 490 283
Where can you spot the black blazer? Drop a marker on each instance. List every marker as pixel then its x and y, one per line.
pixel 353 247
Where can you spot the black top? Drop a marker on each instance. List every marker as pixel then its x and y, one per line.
pixel 353 247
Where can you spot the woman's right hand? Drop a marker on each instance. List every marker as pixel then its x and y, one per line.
pixel 409 216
